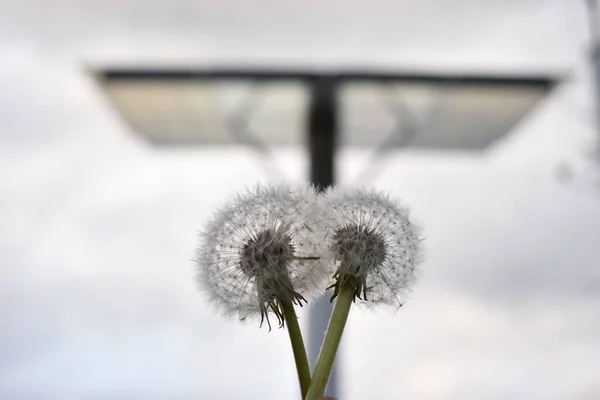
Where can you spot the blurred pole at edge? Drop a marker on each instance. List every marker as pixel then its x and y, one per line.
pixel 592 6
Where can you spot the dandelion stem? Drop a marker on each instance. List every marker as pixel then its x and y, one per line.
pixel 331 342
pixel 298 348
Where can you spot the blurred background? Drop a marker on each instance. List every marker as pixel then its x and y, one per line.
pixel 488 131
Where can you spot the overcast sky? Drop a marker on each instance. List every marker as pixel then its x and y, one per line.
pixel 97 227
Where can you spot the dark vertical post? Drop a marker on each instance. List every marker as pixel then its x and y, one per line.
pixel 594 20
pixel 322 129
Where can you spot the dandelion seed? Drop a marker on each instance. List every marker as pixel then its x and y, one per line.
pixel 374 245
pixel 262 251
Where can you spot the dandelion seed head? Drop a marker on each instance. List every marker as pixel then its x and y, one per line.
pixel 262 246
pixel 374 244
pixel 350 244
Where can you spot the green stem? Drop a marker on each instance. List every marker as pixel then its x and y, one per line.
pixel 331 342
pixel 300 357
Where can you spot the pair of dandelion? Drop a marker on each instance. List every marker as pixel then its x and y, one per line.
pixel 275 247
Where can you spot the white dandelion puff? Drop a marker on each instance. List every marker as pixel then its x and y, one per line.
pixel 374 245
pixel 262 250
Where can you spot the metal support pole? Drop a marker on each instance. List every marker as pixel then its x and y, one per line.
pixel 322 140
pixel 594 21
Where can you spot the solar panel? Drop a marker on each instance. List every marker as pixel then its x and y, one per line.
pixel 224 108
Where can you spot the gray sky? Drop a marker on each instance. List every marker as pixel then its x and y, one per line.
pixel 97 229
